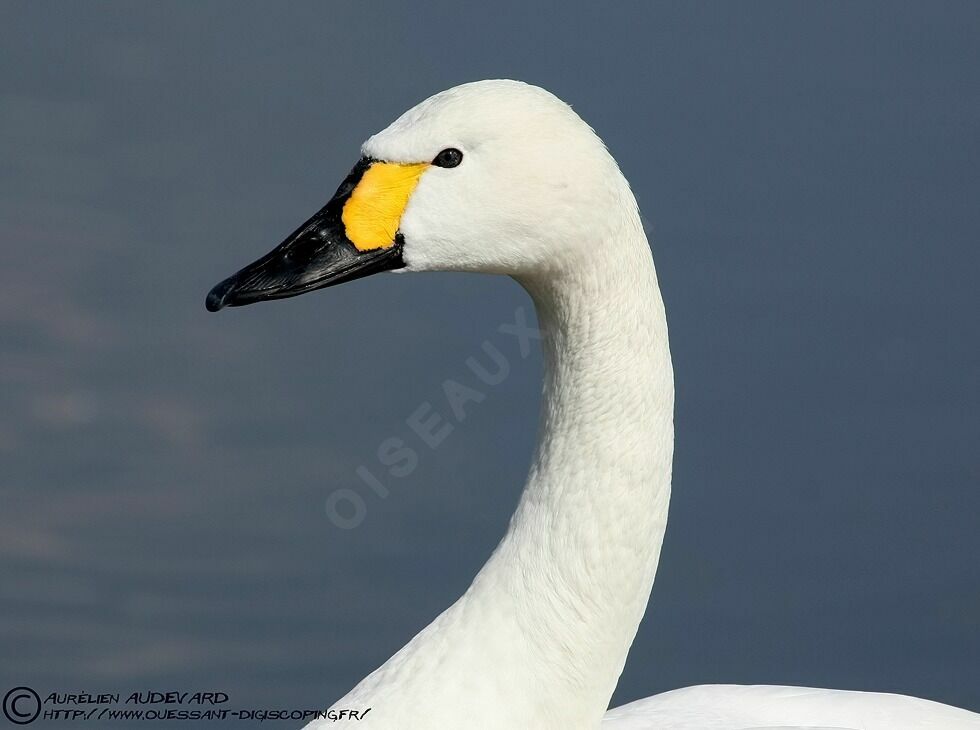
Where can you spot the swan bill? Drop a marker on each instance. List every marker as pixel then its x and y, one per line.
pixel 320 252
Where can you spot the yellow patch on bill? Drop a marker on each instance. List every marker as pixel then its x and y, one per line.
pixel 372 214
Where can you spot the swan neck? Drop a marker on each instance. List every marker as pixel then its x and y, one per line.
pixel 581 553
pixel 540 637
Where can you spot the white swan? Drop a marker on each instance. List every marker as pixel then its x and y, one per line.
pixel 503 177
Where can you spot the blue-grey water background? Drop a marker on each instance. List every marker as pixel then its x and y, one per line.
pixel 810 175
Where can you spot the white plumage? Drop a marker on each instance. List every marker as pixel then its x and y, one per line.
pixel 540 638
pixel 738 707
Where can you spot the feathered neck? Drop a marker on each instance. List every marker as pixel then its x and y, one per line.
pixel 541 636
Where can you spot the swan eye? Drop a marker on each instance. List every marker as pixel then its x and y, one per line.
pixel 449 157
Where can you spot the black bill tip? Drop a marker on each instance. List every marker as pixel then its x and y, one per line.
pixel 315 255
pixel 217 298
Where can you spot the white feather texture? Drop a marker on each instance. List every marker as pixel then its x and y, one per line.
pixel 540 638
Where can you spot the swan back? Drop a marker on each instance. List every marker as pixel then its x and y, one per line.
pixel 766 707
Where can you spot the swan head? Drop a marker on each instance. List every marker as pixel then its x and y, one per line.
pixel 491 176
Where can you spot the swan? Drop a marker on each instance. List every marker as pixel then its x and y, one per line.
pixel 503 177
